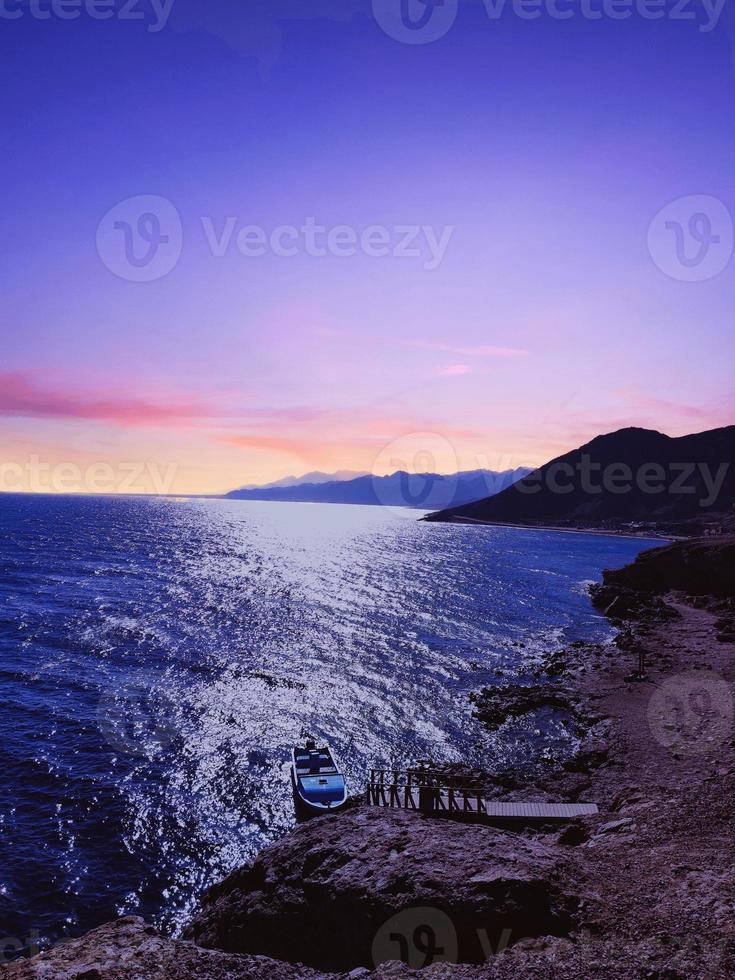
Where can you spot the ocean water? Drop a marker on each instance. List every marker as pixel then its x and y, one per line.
pixel 158 658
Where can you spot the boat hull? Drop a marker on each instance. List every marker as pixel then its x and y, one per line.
pixel 309 808
pixel 317 784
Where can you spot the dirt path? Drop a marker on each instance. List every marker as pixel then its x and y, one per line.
pixel 669 723
pixel 661 864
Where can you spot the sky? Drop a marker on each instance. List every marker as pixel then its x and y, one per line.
pixel 252 238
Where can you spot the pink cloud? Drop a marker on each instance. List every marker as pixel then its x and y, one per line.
pixel 454 369
pixel 642 401
pixel 353 438
pixel 291 414
pixel 483 350
pixel 272 442
pixel 20 396
pixel 489 350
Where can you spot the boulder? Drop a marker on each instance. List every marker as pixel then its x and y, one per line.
pixel 372 885
pixel 129 949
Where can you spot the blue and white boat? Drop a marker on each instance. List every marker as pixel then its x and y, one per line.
pixel 318 785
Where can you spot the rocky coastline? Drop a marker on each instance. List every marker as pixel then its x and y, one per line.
pixel 645 889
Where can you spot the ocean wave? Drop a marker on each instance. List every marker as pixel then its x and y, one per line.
pixel 156 673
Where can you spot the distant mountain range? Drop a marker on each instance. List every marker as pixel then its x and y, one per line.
pixel 629 476
pixel 315 477
pixel 427 491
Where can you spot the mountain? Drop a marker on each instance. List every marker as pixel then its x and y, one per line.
pixel 427 491
pixel 314 478
pixel 626 477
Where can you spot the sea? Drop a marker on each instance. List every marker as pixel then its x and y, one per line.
pixel 160 656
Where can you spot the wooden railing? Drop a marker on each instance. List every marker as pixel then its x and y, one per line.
pixel 438 794
pixel 423 789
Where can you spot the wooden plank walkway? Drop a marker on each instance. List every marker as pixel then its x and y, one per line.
pixel 425 793
pixel 538 811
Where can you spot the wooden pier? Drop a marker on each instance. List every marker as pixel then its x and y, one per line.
pixel 435 794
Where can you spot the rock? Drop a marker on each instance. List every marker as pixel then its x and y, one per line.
pixel 555 663
pixel 620 603
pixel 613 825
pixel 322 894
pixel 700 567
pixel 131 950
pixel 593 750
pixel 574 834
pixel 617 603
pixel 495 705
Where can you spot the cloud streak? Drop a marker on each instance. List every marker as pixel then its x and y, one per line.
pixel 454 370
pixel 482 350
pixel 22 397
pixel 645 403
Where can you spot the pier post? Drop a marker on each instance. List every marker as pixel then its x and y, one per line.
pixel 427 799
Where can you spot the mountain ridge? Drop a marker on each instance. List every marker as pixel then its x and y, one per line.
pixel 628 476
pixel 426 491
pixel 314 477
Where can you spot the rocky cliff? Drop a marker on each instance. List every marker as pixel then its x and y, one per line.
pixel 334 892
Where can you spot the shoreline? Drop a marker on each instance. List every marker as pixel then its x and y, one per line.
pixel 605 532
pixel 603 896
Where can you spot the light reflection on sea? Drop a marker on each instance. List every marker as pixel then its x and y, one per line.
pixel 159 657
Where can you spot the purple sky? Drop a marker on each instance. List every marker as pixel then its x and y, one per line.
pixel 542 150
